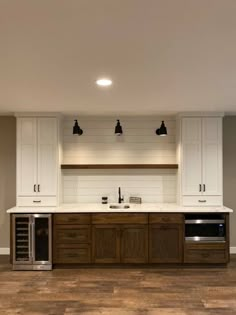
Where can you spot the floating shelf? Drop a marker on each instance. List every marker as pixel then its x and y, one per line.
pixel 118 166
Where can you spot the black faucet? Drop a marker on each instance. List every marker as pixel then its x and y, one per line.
pixel 120 199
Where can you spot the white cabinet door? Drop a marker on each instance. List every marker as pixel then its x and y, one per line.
pixel 191 152
pixel 47 156
pixel 26 156
pixel 212 156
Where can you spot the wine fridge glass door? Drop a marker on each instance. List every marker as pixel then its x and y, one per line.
pixel 22 253
pixel 42 247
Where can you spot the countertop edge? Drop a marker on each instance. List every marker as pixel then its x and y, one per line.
pixel 99 208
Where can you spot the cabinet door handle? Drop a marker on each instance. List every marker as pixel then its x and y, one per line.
pixel 34 188
pixel 204 187
pixel 38 188
pixel 36 201
pixel 200 187
pixel 201 200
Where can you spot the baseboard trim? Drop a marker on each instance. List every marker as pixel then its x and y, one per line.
pixel 232 250
pixel 4 251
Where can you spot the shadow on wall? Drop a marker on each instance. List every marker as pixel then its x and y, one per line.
pixel 7 175
pixel 229 171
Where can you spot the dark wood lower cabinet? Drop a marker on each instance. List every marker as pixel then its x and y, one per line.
pixel 106 243
pixel 206 253
pixel 79 254
pixel 134 243
pixel 166 243
pixel 71 238
pixel 130 238
pixel 120 243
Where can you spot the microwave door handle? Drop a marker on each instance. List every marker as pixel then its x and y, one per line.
pixel 30 240
pixel 33 239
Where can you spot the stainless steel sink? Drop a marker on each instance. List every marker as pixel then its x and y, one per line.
pixel 120 206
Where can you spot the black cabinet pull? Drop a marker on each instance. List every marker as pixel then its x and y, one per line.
pixel 38 188
pixel 36 201
pixel 201 200
pixel 34 188
pixel 200 187
pixel 204 187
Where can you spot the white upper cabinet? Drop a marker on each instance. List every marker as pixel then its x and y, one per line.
pixel 26 156
pixel 212 156
pixel 201 157
pixel 47 156
pixel 37 161
pixel 192 159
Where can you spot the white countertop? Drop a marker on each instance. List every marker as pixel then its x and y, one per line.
pixel 96 208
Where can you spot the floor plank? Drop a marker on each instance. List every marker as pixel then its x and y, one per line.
pixel 119 291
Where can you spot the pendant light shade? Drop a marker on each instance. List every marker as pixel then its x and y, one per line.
pixel 76 129
pixel 162 131
pixel 118 129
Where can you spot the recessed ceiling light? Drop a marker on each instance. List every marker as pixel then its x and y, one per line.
pixel 104 82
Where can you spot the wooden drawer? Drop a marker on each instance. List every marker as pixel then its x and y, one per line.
pixel 166 218
pixel 72 255
pixel 114 218
pixel 72 218
pixel 72 234
pixel 206 253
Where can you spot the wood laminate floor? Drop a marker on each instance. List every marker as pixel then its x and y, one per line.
pixel 119 291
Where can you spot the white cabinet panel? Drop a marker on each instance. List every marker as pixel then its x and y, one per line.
pixel 26 157
pixel 37 160
pixel 201 160
pixel 47 156
pixel 212 156
pixel 202 201
pixel 191 139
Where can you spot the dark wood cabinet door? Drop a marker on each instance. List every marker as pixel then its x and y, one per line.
pixel 166 243
pixel 134 243
pixel 106 243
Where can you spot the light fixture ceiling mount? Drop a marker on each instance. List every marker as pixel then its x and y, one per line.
pixel 104 82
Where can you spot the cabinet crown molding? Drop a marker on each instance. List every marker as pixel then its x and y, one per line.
pixel 38 114
pixel 200 114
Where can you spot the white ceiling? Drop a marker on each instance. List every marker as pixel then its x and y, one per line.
pixel 163 56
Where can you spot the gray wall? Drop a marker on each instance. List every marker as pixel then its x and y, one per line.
pixel 229 169
pixel 8 172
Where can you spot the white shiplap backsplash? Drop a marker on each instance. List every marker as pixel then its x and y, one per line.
pixel 138 145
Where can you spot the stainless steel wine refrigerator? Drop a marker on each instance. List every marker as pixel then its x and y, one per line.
pixel 32 241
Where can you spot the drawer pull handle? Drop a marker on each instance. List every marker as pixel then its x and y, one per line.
pixel 205 255
pixel 34 188
pixel 36 201
pixel 201 200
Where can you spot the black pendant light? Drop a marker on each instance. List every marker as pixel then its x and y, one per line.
pixel 162 131
pixel 76 129
pixel 118 129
